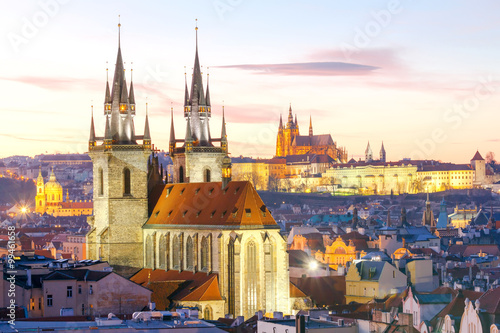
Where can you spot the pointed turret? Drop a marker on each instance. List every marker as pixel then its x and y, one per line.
pixel 108 139
pixel 147 136
pixel 107 97
pixel 223 135
pixel 289 124
pixel 92 131
pixel 281 123
pixel 368 153
pixel 207 98
pixel 171 143
pixel 197 96
pixel 310 126
pixel 131 95
pixel 296 122
pixel 186 94
pixel 382 153
pixel 189 137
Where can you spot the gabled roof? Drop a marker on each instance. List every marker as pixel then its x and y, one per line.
pixel 295 291
pixel 490 301
pixel 236 205
pixel 208 291
pixel 370 270
pixel 477 157
pixel 76 274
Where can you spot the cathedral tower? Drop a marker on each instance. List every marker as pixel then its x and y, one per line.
pixel 120 177
pixel 197 160
pixel 368 153
pixel 382 153
pixel 40 198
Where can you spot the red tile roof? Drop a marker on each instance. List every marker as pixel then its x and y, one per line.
pixel 490 301
pixel 238 204
pixel 477 157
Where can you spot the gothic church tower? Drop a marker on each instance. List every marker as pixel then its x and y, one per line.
pixel 120 178
pixel 197 160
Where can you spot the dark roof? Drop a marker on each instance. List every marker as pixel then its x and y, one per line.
pixel 76 274
pixel 434 298
pixel 477 157
pixel 370 270
pixel 324 290
pixel 490 301
pixel 315 140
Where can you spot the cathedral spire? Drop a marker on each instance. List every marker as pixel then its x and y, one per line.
pixel 281 122
pixel 197 96
pixel 107 97
pixel 147 135
pixel 207 99
pixel 368 153
pixel 382 153
pixel 310 126
pixel 131 95
pixel 223 135
pixel 289 124
pixel 92 130
pixel 172 132
pixel 186 92
pixel 296 122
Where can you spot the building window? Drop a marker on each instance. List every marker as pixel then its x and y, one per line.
pixel 230 278
pixel 204 254
pixel 176 253
pixel 49 300
pixel 149 252
pixel 69 291
pixel 126 181
pixel 32 304
pixel 252 277
pixel 79 288
pixel 101 182
pixel 83 309
pixel 207 313
pixel 207 175
pixel 189 253
pixel 91 290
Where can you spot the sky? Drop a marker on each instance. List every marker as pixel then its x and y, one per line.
pixel 423 77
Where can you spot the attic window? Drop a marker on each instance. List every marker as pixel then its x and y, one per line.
pixel 198 214
pixel 263 210
pixel 184 213
pixel 236 191
pixel 211 190
pixel 182 191
pixel 170 213
pixel 212 215
pixel 223 213
pixel 169 190
pixel 197 190
pixel 157 212
pixel 248 212
pixel 225 190
pixel 234 212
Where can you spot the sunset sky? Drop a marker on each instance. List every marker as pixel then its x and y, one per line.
pixel 421 76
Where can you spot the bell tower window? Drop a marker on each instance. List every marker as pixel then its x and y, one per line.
pixel 126 181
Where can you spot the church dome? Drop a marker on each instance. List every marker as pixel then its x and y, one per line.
pixel 53 189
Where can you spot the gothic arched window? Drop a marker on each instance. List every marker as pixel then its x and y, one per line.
pixel 149 252
pixel 204 254
pixel 252 277
pixel 126 181
pixel 230 277
pixel 162 252
pixel 101 182
pixel 176 252
pixel 206 175
pixel 207 313
pixel 189 253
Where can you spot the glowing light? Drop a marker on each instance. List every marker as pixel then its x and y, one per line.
pixel 24 210
pixel 313 265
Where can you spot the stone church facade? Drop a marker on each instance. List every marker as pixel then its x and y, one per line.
pixel 202 224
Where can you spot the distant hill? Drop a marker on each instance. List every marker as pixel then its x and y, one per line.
pixel 14 191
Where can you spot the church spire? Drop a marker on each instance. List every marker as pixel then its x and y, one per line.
pixel 172 132
pixel 197 96
pixel 382 153
pixel 92 130
pixel 186 92
pixel 368 153
pixel 131 95
pixel 310 126
pixel 281 122
pixel 107 97
pixel 147 135
pixel 289 124
pixel 223 135
pixel 207 99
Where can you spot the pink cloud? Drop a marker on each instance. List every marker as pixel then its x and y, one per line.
pixel 54 83
pixel 325 68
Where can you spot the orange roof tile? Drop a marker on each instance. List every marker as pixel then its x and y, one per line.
pixel 237 205
pixel 295 291
pixel 209 291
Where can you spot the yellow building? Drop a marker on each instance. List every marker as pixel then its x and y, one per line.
pixel 49 199
pixel 339 253
pixel 401 177
pixel 253 170
pixel 366 280
pixel 374 177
